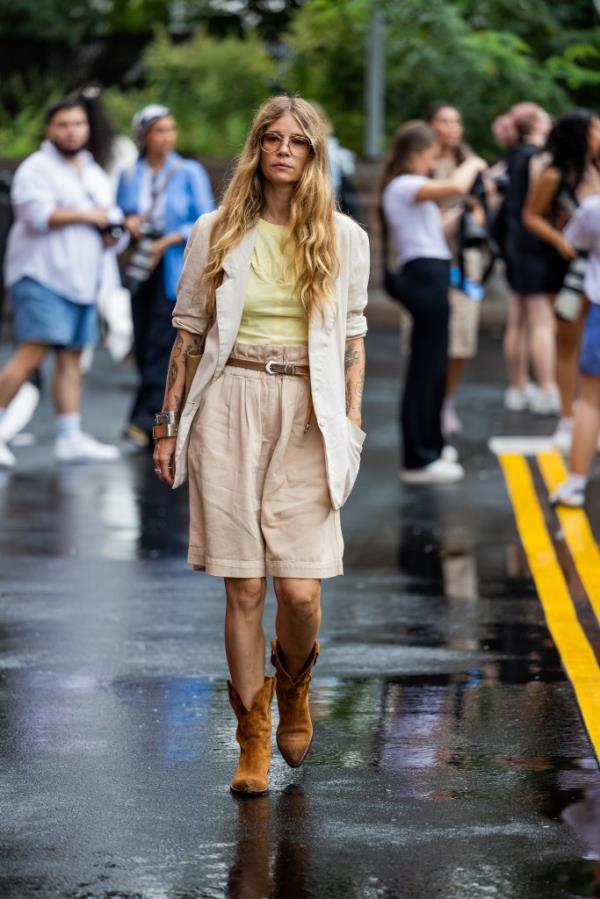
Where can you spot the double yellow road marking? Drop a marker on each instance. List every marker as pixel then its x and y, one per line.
pixel 577 655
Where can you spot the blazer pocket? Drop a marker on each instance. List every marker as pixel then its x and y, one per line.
pixel 354 445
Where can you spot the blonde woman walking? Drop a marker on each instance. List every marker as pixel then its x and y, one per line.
pixel 270 434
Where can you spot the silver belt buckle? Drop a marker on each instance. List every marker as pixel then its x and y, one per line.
pixel 269 366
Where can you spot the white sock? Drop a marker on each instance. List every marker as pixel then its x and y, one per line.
pixel 68 425
pixel 565 424
pixel 2 411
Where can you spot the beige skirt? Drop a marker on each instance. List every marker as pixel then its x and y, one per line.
pixel 259 499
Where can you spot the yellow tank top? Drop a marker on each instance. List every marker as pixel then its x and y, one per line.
pixel 272 313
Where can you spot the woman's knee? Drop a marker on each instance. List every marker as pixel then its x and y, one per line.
pixel 245 595
pixel 301 598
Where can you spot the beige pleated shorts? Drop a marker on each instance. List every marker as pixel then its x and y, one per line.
pixel 259 500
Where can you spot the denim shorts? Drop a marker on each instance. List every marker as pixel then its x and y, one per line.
pixel 589 362
pixel 42 316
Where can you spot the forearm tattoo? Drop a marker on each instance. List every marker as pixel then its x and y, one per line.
pixel 182 345
pixel 354 370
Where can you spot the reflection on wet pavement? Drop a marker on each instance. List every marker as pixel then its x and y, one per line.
pixel 450 761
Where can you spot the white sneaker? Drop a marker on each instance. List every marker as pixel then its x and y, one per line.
pixel 567 495
pixel 516 399
pixel 451 423
pixel 83 448
pixel 439 472
pixel 563 435
pixel 19 412
pixel 545 402
pixel 450 453
pixel 7 460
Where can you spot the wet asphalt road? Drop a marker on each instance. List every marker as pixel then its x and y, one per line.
pixel 450 761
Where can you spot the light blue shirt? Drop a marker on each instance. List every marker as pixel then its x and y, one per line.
pixel 187 196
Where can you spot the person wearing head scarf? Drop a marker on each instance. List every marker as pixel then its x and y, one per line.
pixel 161 197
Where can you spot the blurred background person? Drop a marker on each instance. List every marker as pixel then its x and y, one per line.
pixel 570 175
pixel 342 168
pixel 525 129
pixel 161 198
pixel 114 153
pixel 466 291
pixel 583 232
pixel 64 222
pixel 411 214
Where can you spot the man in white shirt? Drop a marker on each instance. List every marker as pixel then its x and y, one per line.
pixel 65 222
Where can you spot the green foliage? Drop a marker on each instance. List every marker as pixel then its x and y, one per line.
pixel 212 86
pixel 22 132
pixel 483 57
pixel 79 19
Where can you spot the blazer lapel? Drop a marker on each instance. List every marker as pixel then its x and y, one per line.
pixel 230 295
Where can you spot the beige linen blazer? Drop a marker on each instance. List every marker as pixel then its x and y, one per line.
pixel 326 342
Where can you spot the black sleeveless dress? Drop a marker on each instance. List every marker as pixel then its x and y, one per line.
pixel 532 265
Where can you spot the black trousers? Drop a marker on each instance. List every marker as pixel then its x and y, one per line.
pixel 153 337
pixel 425 285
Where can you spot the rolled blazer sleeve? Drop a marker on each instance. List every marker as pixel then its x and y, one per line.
pixel 356 322
pixel 189 313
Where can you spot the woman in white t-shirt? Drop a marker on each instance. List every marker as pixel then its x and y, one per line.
pixel 410 212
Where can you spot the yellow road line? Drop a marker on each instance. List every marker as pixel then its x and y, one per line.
pixel 576 653
pixel 576 528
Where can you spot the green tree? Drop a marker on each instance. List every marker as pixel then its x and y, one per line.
pixel 476 55
pixel 212 86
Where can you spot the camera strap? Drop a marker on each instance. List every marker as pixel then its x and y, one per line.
pixel 157 188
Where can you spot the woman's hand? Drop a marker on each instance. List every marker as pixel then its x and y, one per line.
pixel 159 246
pixel 164 459
pixel 565 248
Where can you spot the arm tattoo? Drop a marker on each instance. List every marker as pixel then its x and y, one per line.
pixel 176 372
pixel 173 372
pixel 351 357
pixel 177 347
pixel 354 367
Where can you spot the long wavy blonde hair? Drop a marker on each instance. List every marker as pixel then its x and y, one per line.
pixel 310 230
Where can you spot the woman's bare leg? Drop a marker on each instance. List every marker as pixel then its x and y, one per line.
pixel 542 339
pixel 516 348
pixel 298 619
pixel 568 345
pixel 244 636
pixel 587 426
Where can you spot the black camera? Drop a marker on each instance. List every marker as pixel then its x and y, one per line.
pixel 115 231
pixel 140 265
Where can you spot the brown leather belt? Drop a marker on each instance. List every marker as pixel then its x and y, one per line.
pixel 271 367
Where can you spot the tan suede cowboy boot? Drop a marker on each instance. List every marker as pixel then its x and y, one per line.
pixel 295 731
pixel 254 736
